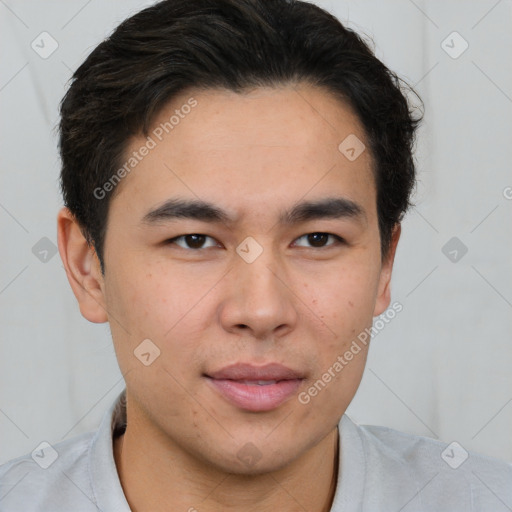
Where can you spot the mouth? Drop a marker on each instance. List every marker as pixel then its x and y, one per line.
pixel 254 388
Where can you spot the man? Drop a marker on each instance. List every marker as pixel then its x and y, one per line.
pixel 234 174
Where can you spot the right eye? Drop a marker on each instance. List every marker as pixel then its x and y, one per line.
pixel 194 241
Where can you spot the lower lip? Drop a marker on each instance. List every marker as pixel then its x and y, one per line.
pixel 256 398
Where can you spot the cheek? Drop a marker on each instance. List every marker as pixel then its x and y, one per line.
pixel 167 307
pixel 139 308
pixel 152 306
pixel 335 383
pixel 148 297
pixel 344 298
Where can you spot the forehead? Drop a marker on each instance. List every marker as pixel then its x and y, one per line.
pixel 252 148
pixel 299 116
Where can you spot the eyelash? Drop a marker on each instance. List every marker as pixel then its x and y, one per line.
pixel 338 240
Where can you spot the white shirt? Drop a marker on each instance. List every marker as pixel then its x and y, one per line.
pixel 381 470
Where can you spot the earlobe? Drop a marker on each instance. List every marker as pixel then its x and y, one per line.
pixel 82 268
pixel 384 290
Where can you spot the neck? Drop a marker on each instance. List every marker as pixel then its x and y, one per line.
pixel 157 475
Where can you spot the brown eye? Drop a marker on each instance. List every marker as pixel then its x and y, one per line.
pixel 191 241
pixel 319 240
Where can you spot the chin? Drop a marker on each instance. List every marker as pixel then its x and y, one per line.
pixel 250 458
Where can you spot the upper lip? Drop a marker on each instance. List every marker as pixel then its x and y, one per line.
pixel 246 371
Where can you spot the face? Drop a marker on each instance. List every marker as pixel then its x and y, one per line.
pixel 279 289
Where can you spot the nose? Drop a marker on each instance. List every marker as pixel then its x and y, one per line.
pixel 259 298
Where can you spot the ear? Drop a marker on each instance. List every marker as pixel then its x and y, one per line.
pixel 384 291
pixel 82 268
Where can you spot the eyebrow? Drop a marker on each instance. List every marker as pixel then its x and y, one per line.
pixel 327 208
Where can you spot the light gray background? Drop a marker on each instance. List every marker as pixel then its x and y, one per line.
pixel 441 368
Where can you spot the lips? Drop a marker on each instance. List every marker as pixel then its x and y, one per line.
pixel 256 388
pixel 249 372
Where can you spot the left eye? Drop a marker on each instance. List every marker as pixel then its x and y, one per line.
pixel 196 240
pixel 318 239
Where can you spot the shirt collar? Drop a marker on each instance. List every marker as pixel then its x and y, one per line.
pixel 349 493
pixel 105 482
